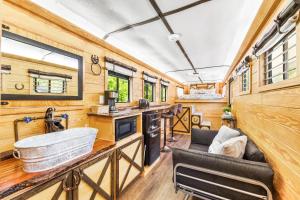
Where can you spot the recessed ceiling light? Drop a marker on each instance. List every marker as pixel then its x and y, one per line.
pixel 174 37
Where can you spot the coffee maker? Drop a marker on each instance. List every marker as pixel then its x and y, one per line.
pixel 110 98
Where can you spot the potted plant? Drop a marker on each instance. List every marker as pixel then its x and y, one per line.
pixel 227 111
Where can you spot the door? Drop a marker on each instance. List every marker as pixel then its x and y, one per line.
pixel 97 179
pixel 56 189
pixel 182 121
pixel 130 163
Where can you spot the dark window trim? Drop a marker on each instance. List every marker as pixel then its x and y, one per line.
pixel 268 68
pixel 166 91
pixel 50 48
pixel 115 62
pixel 152 85
pixel 117 75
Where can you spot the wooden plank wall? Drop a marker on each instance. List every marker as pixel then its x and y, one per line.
pixel 28 24
pixel 272 120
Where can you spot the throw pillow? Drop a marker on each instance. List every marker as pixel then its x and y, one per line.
pixel 234 147
pixel 225 133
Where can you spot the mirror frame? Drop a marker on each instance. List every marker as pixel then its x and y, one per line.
pixel 22 39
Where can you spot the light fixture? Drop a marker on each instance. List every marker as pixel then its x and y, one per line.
pixel 174 37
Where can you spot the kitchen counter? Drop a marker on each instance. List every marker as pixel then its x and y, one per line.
pixel 13 179
pixel 131 111
pixel 224 100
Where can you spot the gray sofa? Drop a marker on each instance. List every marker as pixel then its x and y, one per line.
pixel 209 176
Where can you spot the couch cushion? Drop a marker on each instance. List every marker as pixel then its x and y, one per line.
pixel 225 133
pixel 199 147
pixel 253 153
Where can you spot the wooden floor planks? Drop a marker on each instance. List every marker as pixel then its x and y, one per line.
pixel 157 184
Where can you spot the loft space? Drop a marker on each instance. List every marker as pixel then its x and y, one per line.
pixel 150 99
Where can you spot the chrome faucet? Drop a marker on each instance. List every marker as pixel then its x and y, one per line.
pixel 50 113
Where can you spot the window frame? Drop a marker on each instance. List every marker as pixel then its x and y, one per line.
pixel 166 92
pixel 153 88
pixel 122 76
pixel 64 86
pixel 241 79
pixel 262 87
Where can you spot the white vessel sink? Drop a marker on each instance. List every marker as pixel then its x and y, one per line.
pixel 46 151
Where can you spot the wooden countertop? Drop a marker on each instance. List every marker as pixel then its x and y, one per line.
pixel 224 100
pixel 131 111
pixel 13 178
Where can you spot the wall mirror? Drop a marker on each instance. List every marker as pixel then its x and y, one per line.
pixel 31 70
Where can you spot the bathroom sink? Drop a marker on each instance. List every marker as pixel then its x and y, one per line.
pixel 47 151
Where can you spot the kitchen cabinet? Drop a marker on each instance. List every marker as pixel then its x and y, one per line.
pixel 91 180
pixel 97 179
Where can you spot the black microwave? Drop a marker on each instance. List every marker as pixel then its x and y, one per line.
pixel 125 127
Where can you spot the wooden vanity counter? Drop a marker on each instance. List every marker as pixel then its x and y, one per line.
pixel 14 180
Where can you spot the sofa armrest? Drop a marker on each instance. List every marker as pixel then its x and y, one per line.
pixel 248 169
pixel 203 137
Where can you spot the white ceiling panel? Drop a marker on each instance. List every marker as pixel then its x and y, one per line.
pixel 168 5
pixel 110 15
pixel 150 44
pixel 210 30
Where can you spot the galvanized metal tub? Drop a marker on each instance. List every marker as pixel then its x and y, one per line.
pixel 47 151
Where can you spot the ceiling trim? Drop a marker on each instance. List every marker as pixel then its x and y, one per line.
pixel 153 19
pixel 66 25
pixel 264 13
pixel 167 25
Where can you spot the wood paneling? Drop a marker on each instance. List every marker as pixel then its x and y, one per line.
pixel 29 20
pixel 272 119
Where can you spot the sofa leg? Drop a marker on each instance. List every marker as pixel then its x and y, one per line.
pixel 187 196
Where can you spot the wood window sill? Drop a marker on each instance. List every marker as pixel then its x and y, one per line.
pixel 280 85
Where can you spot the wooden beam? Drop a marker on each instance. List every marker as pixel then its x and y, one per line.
pixel 264 13
pixel 49 16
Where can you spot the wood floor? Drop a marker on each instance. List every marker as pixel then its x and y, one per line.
pixel 157 184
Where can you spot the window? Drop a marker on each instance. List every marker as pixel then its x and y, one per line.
pixel 280 61
pixel 246 80
pixel 53 86
pixel 179 91
pixel 119 83
pixel 149 90
pixel 163 93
